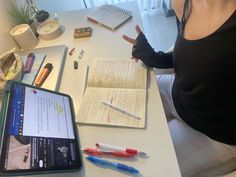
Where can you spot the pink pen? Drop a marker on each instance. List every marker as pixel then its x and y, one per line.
pixel 121 149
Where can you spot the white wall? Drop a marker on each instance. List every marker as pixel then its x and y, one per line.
pixel 56 6
pixel 59 5
pixel 6 42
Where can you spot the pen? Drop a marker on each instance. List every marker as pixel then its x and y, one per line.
pixel 100 161
pixel 99 152
pixel 71 51
pixel 43 74
pixel 86 78
pixel 81 54
pixel 120 109
pixel 92 20
pixel 29 63
pixel 115 148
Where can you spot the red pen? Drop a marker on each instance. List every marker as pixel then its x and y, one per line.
pixel 92 20
pixel 121 149
pixel 71 51
pixel 98 152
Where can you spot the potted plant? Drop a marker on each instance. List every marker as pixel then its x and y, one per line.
pixel 20 15
pixel 23 15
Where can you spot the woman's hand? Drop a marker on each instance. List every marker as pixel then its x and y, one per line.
pixel 131 40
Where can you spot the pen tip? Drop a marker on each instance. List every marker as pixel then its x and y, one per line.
pixel 85 155
pixel 142 153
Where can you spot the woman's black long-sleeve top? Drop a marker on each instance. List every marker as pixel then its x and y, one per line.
pixel 204 92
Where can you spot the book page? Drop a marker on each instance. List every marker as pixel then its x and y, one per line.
pixel 117 73
pixel 93 111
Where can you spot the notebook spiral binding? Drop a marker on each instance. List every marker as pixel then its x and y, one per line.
pixel 118 9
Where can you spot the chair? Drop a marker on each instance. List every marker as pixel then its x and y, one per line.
pixel 228 169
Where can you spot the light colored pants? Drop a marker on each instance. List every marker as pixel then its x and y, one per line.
pixel 195 151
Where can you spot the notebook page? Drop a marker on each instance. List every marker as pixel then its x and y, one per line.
pixel 117 73
pixel 93 111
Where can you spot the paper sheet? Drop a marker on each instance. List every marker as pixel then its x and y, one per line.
pixel 117 73
pixel 92 110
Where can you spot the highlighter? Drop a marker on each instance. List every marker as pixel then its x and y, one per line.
pixel 29 63
pixel 43 74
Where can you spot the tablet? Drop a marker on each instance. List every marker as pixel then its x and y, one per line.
pixel 38 131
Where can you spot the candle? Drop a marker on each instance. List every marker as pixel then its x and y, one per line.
pixel 50 30
pixel 24 36
pixel 49 27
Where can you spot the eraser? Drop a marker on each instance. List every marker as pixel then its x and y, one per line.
pixel 82 32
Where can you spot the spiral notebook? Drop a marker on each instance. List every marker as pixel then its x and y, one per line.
pixel 110 16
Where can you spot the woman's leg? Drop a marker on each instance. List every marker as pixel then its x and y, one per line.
pixel 165 82
pixel 195 151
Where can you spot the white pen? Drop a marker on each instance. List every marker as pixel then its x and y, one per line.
pixel 81 54
pixel 120 109
pixel 133 151
pixel 86 78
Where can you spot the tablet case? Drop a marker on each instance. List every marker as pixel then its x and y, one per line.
pixel 3 121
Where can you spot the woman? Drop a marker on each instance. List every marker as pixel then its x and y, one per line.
pixel 199 100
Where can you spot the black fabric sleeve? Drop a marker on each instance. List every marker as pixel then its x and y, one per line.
pixel 143 51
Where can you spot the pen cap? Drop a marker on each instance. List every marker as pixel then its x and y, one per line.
pixel 48 66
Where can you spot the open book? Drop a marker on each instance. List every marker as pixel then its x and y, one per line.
pixel 110 16
pixel 115 94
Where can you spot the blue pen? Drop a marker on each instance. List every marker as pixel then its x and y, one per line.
pixel 100 161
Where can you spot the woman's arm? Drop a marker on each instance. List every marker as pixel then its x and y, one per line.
pixel 143 51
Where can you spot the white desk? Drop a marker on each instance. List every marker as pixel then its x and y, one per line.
pixel 155 138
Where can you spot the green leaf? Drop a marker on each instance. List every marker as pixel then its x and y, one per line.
pixel 20 15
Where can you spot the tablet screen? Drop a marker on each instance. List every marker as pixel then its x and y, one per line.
pixel 39 132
